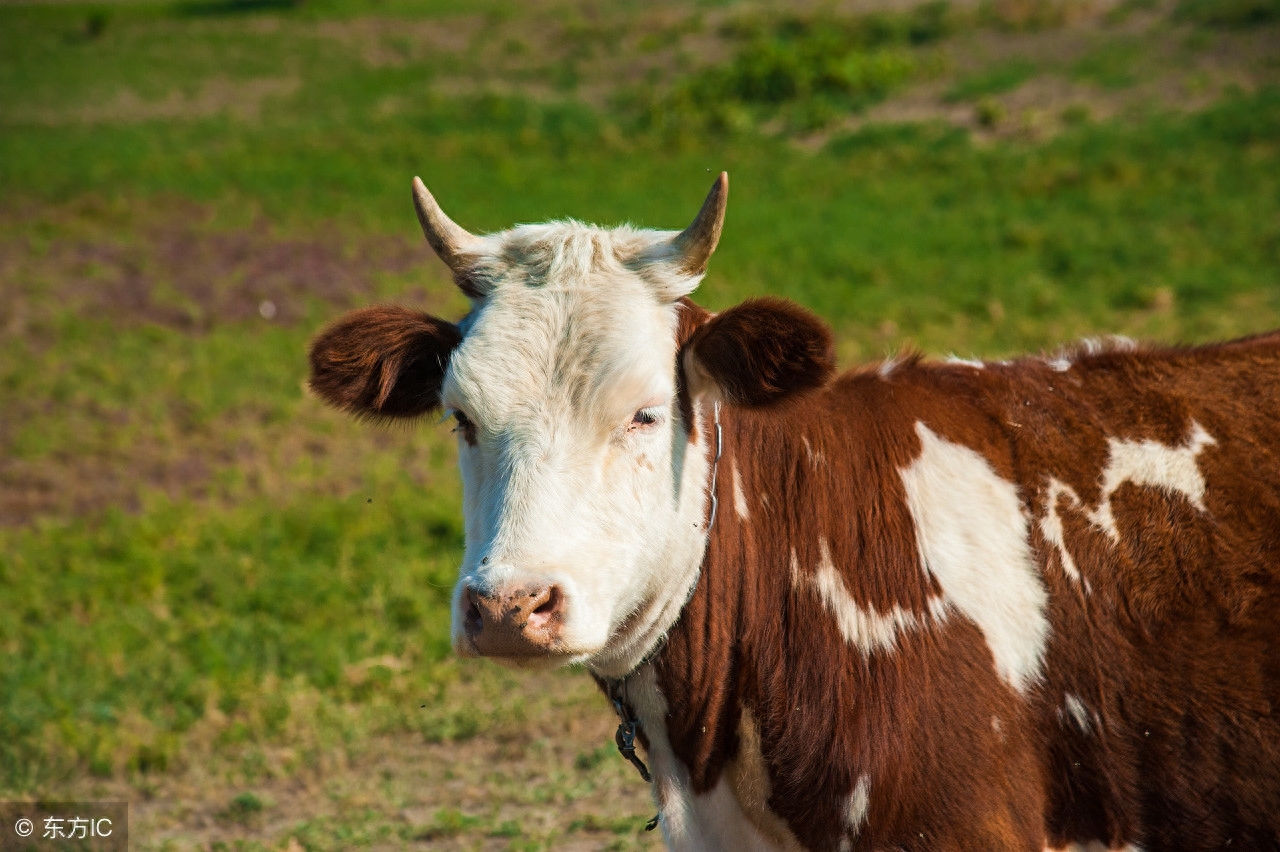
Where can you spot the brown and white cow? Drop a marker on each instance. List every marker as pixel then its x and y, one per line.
pixel 926 606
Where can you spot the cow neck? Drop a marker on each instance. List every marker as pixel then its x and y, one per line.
pixel 782 467
pixel 616 688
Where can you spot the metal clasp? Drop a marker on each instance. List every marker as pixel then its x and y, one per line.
pixel 625 738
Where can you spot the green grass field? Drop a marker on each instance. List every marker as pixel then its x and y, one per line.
pixel 228 605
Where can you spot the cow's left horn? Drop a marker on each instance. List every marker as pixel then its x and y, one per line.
pixel 447 238
pixel 696 242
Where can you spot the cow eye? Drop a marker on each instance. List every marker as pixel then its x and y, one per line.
pixel 463 426
pixel 645 417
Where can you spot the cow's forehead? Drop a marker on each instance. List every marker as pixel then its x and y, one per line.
pixel 573 321
pixel 565 254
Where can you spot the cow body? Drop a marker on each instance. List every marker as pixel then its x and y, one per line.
pixel 999 607
pixel 918 606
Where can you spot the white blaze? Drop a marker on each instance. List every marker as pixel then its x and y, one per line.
pixel 863 627
pixel 972 537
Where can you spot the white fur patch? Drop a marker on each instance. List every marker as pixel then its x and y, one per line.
pixel 863 627
pixel 1051 525
pixel 1064 361
pixel 1060 364
pixel 753 825
pixel 887 366
pixel 855 811
pixel 739 496
pixel 1145 463
pixel 678 817
pixel 972 537
pixel 723 827
pixel 711 822
pixel 1110 343
pixel 1077 711
pixel 815 456
pixel 965 362
pixel 1153 464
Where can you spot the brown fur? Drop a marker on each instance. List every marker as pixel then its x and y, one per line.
pixel 763 350
pixel 1177 647
pixel 383 362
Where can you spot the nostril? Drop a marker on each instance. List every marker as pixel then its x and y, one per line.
pixel 548 611
pixel 551 604
pixel 472 618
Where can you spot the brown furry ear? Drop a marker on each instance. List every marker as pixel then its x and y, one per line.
pixel 383 361
pixel 759 353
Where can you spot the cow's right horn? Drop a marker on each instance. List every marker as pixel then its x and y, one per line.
pixel 695 243
pixel 448 239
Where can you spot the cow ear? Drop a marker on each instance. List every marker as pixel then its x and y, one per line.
pixel 759 353
pixel 383 362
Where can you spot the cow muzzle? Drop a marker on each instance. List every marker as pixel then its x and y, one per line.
pixel 514 622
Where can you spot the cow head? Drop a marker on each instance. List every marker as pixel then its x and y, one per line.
pixel 578 385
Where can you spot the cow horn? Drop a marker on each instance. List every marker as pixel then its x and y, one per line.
pixel 448 239
pixel 695 243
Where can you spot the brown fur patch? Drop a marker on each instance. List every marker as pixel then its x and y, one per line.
pixel 383 361
pixel 763 351
pixel 1168 656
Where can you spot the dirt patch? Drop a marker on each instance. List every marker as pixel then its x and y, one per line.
pixel 80 486
pixel 176 270
pixel 171 267
pixel 242 99
pixel 590 55
pixel 324 453
pixel 383 42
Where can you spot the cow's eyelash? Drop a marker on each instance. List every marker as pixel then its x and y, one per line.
pixel 462 425
pixel 645 417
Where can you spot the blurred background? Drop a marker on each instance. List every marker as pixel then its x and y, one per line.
pixel 228 604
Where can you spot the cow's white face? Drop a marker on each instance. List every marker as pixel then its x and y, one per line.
pixel 584 499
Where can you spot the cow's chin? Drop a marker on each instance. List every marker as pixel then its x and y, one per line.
pixel 543 661
pixel 540 663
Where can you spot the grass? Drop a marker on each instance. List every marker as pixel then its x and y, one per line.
pixel 995 80
pixel 1111 66
pixel 808 70
pixel 169 614
pixel 217 592
pixel 1229 13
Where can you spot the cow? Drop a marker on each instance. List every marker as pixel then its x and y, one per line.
pixel 1017 605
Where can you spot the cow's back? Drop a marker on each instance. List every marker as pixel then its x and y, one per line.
pixel 1152 483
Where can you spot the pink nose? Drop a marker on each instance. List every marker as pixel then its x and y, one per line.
pixel 514 622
